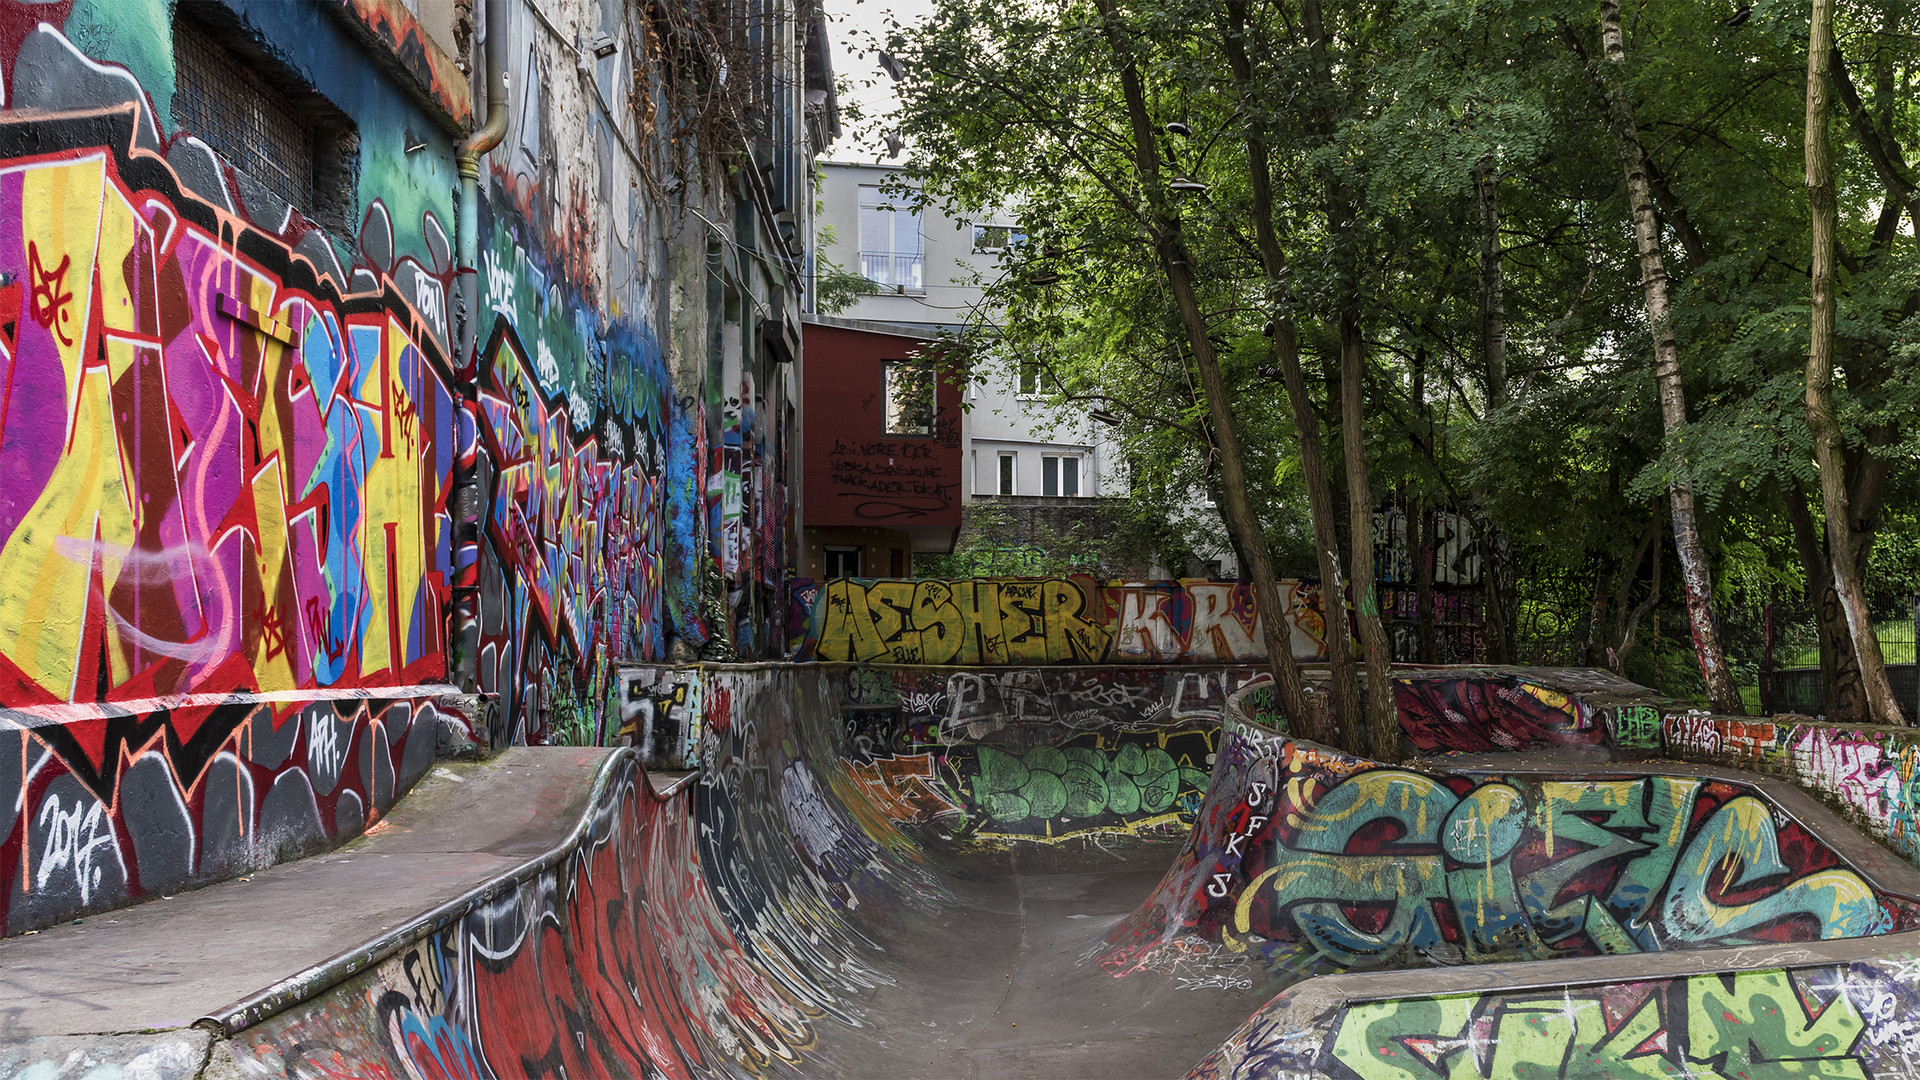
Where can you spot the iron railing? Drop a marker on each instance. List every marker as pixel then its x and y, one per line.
pixel 901 271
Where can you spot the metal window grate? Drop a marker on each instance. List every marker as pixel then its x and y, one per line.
pixel 228 107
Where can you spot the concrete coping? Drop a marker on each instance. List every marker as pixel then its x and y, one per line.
pixel 317 979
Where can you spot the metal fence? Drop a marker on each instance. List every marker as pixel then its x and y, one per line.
pixel 1798 689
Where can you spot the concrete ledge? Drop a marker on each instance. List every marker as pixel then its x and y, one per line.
pixel 468 831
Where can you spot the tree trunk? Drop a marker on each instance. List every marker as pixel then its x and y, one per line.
pixel 1630 628
pixel 1603 571
pixel 1841 695
pixel 1881 704
pixel 1695 574
pixel 1383 717
pixel 1493 308
pixel 1306 423
pixel 1165 224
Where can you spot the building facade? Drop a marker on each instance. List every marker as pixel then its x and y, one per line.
pixel 882 451
pixel 929 270
pixel 380 377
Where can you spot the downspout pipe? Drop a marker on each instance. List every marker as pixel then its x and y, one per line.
pixel 464 654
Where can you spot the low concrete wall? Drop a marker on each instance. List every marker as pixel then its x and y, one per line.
pixel 1864 771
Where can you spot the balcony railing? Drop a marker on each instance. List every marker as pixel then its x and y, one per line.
pixel 899 271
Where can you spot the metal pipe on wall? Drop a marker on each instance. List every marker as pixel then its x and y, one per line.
pixel 465 638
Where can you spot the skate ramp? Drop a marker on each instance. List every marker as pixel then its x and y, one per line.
pixel 907 872
pixel 865 880
pixel 1512 920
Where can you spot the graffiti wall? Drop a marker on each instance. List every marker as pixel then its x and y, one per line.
pixel 1312 860
pixel 228 439
pixel 1866 773
pixel 263 454
pixel 1070 620
pixel 1835 1020
pixel 103 812
pixel 982 757
pixel 573 392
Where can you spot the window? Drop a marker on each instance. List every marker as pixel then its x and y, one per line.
pixel 993 239
pixel 909 397
pixel 1030 376
pixel 264 122
pixel 1060 475
pixel 1006 473
pixel 891 252
pixel 843 562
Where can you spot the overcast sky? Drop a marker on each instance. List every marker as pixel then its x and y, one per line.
pixel 855 24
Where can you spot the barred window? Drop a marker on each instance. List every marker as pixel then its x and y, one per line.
pixel 261 118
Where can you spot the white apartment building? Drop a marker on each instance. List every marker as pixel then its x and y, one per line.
pixel 930 268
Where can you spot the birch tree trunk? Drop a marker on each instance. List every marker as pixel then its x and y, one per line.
pixel 1827 451
pixel 1695 575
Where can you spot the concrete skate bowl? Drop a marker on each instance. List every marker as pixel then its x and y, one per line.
pixel 910 872
pixel 878 872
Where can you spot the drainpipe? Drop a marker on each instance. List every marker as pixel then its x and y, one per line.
pixel 466 490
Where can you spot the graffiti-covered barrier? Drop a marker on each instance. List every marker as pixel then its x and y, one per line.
pixel 1832 1009
pixel 1311 861
pixel 1866 772
pixel 1481 709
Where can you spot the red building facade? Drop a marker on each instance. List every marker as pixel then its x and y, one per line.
pixel 881 451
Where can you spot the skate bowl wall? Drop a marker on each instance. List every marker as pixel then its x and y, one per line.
pixel 982 756
pixel 1318 861
pixel 1482 709
pixel 703 932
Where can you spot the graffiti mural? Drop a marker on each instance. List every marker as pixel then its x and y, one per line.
pixel 1496 712
pixel 224 536
pixel 1318 861
pixel 1632 727
pixel 1044 621
pixel 220 467
pixel 1844 1020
